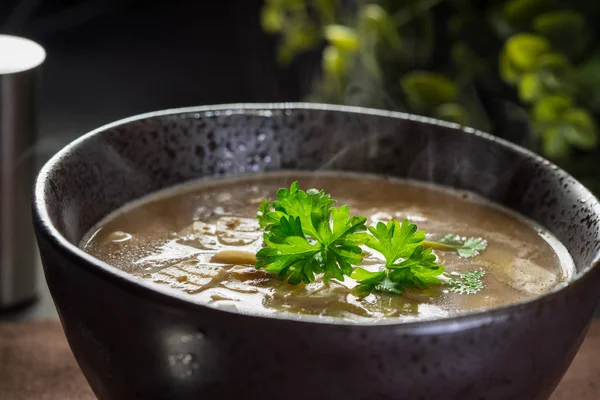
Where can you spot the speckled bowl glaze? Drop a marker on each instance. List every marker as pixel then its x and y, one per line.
pixel 134 342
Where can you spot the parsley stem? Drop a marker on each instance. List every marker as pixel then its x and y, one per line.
pixel 438 246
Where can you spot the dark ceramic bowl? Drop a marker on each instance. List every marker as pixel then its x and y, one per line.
pixel 135 342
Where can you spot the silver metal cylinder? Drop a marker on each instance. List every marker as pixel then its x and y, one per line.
pixel 20 60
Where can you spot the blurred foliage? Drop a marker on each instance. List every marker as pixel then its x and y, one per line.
pixel 452 59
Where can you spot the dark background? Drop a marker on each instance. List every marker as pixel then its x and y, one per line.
pixel 109 59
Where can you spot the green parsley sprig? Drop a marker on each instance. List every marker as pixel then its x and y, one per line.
pixel 407 263
pixel 467 282
pixel 465 247
pixel 305 235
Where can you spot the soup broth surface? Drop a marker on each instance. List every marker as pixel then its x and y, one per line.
pixel 170 237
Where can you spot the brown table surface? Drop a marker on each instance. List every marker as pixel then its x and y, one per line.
pixel 36 364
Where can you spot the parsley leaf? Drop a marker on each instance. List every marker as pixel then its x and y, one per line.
pixel 408 264
pixel 379 281
pixel 368 279
pixel 420 269
pixel 467 282
pixel 393 240
pixel 262 215
pixel 289 254
pixel 306 236
pixel 466 247
pixel 389 286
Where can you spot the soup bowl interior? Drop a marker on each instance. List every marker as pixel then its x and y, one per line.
pixel 132 351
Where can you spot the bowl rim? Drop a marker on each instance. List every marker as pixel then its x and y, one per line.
pixel 142 288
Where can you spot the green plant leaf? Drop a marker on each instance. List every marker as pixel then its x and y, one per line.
pixel 394 240
pixel 311 237
pixel 298 35
pixel 551 108
pixel 408 264
pixel 426 90
pixel 391 287
pixel 587 83
pixel 465 247
pixel 556 73
pixel 367 277
pixel 334 63
pixel 522 11
pixel 420 269
pixel 530 87
pixel 378 282
pixel 565 29
pixel 524 50
pixel 554 143
pixel 263 212
pixel 373 19
pixel 552 61
pixel 289 254
pixel 508 71
pixel 368 280
pixel 467 282
pixel 342 37
pixel 561 22
pixel 451 112
pixel 472 247
pixel 271 19
pixel 580 129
